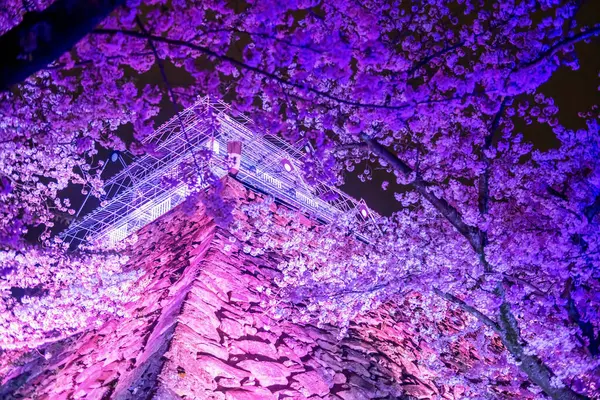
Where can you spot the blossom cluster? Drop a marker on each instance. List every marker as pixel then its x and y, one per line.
pixel 434 93
pixel 46 295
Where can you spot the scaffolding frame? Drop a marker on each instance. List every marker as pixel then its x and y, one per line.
pixel 137 194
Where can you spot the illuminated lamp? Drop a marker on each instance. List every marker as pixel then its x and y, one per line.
pixel 213 145
pixel 234 156
pixel 287 165
pixel 363 211
pixel 308 148
pixel 114 156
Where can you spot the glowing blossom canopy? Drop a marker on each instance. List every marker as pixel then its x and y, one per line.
pixel 437 93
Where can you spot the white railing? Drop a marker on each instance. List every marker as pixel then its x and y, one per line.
pixel 137 195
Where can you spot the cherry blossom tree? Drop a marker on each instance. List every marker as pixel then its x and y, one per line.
pixel 432 91
pixel 48 296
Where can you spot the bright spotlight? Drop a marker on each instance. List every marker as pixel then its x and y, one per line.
pixel 363 210
pixel 287 165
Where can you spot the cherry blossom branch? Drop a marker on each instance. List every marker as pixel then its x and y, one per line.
pixel 470 309
pixel 364 291
pixel 433 56
pixel 533 366
pixel 484 178
pixel 44 36
pixel 592 210
pixel 83 63
pixel 472 234
pixel 170 91
pixel 265 36
pixel 207 51
pixel 211 53
pixel 587 329
pixel 457 45
pixel 536 289
pixel 351 146
pixel 587 34
pixel 508 331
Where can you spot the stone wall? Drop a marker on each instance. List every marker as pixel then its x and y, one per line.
pixel 201 331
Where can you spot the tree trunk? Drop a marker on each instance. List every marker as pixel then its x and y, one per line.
pixel 533 367
pixel 506 327
pixel 42 37
pixel 508 330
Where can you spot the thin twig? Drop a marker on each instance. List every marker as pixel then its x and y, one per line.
pixel 470 309
pixel 351 146
pixel 172 95
pixel 276 78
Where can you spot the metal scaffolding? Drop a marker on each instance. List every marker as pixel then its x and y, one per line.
pixel 138 194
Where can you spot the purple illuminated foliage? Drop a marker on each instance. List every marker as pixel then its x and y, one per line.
pixel 431 92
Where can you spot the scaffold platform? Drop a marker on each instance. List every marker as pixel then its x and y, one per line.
pixel 137 195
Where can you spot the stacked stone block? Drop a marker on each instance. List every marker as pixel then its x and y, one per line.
pixel 201 331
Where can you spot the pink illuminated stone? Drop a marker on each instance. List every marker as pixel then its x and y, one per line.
pixel 207 333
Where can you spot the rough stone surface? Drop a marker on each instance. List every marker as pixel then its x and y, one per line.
pixel 200 332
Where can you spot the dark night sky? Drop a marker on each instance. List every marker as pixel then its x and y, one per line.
pixel 573 92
